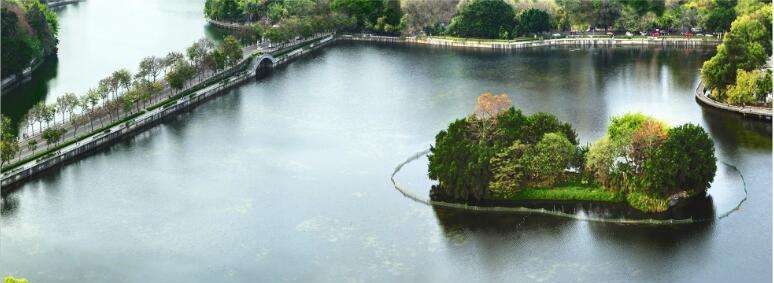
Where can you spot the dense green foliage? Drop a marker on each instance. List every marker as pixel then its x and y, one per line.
pixel 685 161
pixel 463 154
pixel 533 21
pixel 750 87
pixel 719 19
pixel 483 19
pixel 745 47
pixel 282 20
pixel 29 32
pixel 507 155
pixel 364 11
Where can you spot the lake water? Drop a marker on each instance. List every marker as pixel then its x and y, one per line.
pixel 287 178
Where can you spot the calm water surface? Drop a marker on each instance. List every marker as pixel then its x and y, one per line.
pixel 98 37
pixel 287 179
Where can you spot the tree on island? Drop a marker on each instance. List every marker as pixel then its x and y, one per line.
pixel 685 160
pixel 639 160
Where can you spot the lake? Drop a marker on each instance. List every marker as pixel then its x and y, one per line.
pixel 287 178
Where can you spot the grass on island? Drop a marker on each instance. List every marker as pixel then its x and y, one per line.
pixel 647 202
pixel 570 192
pixel 638 200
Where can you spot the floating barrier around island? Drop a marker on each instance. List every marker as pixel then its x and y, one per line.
pixel 577 216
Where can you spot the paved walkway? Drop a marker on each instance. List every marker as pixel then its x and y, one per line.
pixel 73 132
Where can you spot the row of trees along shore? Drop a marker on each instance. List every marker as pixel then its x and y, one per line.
pixel 118 95
pixel 737 74
pixel 29 32
pixel 498 153
pixel 279 20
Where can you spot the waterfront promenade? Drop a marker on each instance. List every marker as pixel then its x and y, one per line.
pixel 79 141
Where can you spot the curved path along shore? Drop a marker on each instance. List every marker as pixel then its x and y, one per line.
pixel 746 111
pixel 583 217
pixel 31 163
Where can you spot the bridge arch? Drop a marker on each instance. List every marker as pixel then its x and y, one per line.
pixel 264 64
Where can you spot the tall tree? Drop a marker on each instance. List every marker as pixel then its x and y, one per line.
pixel 483 19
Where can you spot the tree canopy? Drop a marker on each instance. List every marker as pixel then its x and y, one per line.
pixel 745 47
pixel 483 19
pixel 29 31
pixel 640 158
pixel 533 21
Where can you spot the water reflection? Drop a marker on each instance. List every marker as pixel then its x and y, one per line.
pixel 295 168
pixel 17 102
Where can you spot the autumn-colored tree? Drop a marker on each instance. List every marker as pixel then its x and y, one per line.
pixel 645 140
pixel 488 106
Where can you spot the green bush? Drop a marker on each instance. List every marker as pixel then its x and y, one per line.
pixel 547 160
pixel 685 161
pixel 600 161
pixel 750 87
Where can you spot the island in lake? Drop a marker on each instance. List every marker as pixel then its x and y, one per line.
pixel 641 167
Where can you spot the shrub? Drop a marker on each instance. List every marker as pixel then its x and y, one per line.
pixel 548 159
pixel 750 87
pixel 685 161
pixel 623 127
pixel 509 170
pixel 600 161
